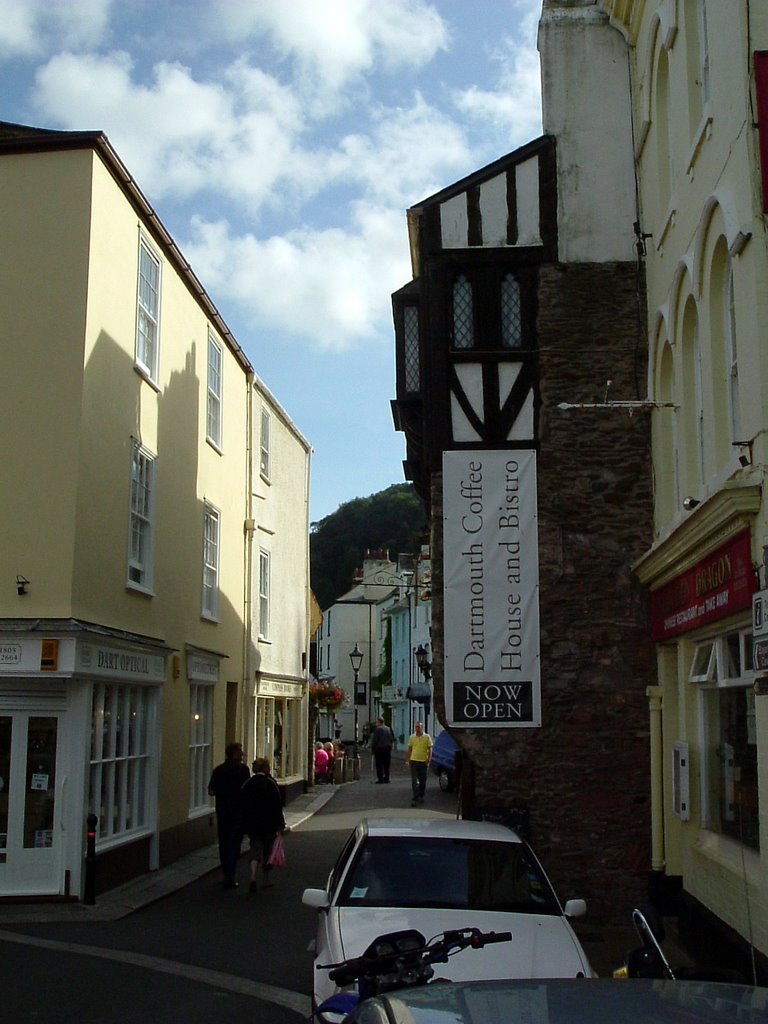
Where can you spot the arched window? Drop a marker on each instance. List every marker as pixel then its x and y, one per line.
pixel 463 314
pixel 511 320
pixel 724 399
pixel 665 441
pixel 663 141
pixel 733 376
pixel 692 400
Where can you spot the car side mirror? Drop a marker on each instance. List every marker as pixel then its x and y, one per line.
pixel 575 908
pixel 317 898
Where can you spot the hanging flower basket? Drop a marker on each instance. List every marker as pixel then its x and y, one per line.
pixel 326 696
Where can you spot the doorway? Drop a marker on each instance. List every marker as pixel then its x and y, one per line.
pixel 31 836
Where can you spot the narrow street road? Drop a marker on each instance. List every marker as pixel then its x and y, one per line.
pixel 201 954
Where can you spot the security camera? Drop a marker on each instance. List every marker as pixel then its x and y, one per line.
pixel 689 504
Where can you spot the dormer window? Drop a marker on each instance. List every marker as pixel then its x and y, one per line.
pixel 511 319
pixel 463 314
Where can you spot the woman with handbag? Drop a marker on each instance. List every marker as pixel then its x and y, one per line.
pixel 263 820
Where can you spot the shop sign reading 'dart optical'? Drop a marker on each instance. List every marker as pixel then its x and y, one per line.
pixel 491 589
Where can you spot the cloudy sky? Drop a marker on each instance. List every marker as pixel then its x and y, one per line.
pixel 281 142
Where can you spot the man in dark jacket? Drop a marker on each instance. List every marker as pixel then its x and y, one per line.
pixel 226 782
pixel 262 815
pixel 381 745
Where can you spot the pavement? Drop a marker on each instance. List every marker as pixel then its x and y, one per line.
pixel 605 945
pixel 148 888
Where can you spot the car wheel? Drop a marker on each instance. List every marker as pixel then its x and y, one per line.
pixel 445 781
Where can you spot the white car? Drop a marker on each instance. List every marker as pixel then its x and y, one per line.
pixel 432 875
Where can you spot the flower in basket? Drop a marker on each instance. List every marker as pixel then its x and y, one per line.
pixel 326 695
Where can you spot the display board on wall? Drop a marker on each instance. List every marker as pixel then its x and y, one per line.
pixel 491 589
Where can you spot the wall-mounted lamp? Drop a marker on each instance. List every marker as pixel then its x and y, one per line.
pixel 422 660
pixel 21 585
pixel 745 452
pixel 741 238
pixel 689 504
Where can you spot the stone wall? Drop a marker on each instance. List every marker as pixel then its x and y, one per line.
pixel 583 777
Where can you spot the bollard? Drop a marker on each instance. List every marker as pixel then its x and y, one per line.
pixel 89 888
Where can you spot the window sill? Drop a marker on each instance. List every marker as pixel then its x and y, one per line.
pixel 210 617
pixel 703 133
pixel 138 588
pixel 146 376
pixel 213 444
pixel 203 811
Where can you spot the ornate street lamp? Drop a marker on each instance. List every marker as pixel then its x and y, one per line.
pixel 425 666
pixel 356 658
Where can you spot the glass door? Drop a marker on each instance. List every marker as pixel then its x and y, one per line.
pixel 30 824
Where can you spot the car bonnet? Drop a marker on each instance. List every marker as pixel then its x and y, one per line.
pixel 541 946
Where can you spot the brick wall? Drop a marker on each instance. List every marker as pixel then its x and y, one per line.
pixel 584 776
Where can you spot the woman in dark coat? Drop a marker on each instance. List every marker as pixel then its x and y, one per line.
pixel 262 815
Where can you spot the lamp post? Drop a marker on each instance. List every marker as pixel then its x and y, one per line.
pixel 425 665
pixel 356 658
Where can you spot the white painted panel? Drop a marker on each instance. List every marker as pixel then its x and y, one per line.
pixel 527 182
pixel 522 428
pixel 471 379
pixel 453 222
pixel 508 374
pixel 493 209
pixel 461 428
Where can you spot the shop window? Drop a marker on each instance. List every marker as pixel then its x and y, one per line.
pixel 120 759
pixel 278 726
pixel 722 667
pixel 200 742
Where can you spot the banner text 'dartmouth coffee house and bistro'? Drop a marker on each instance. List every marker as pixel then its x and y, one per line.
pixel 491 589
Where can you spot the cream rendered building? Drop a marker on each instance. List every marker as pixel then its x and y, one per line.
pixel 128 415
pixel 278 558
pixel 702 232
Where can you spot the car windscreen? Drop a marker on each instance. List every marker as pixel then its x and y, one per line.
pixel 462 874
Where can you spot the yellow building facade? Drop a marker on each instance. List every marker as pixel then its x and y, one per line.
pixel 128 415
pixel 701 233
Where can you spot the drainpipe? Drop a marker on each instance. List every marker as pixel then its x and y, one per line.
pixel 654 695
pixel 249 529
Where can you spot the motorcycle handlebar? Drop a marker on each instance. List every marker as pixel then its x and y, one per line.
pixel 436 950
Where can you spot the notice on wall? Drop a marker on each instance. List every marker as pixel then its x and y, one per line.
pixel 491 589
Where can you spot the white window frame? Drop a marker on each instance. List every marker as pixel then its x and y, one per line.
pixel 200 745
pixel 122 773
pixel 265 581
pixel 141 525
pixel 711 670
pixel 211 562
pixel 148 313
pixel 265 465
pixel 214 421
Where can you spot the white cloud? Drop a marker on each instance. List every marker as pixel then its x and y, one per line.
pixel 34 27
pixel 331 287
pixel 513 107
pixel 338 40
pixel 179 136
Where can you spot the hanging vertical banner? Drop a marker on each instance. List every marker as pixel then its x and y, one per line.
pixel 491 589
